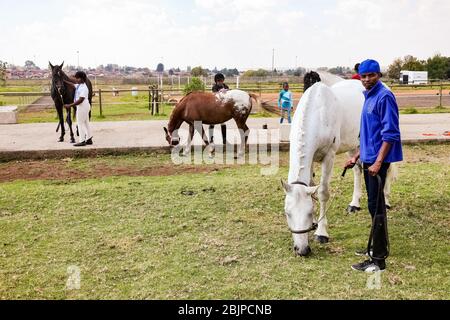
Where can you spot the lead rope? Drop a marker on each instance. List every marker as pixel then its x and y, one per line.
pixel 374 220
pixel 369 243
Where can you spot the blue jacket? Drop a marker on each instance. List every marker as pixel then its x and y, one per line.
pixel 285 100
pixel 380 123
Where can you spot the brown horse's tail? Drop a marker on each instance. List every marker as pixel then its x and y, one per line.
pixel 256 102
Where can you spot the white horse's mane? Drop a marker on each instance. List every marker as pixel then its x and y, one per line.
pixel 329 79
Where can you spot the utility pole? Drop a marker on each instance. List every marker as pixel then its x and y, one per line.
pixel 78 59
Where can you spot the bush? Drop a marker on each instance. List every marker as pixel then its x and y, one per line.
pixel 199 71
pixel 257 73
pixel 410 111
pixel 195 85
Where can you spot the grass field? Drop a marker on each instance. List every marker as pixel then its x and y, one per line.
pixel 136 227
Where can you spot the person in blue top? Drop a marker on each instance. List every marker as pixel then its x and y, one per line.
pixel 285 102
pixel 380 145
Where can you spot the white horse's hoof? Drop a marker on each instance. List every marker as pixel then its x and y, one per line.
pixel 322 239
pixel 353 209
pixel 388 207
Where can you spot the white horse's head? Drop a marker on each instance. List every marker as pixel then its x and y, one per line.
pixel 299 210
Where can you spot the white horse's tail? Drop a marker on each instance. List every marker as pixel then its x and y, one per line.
pixel 393 172
pixel 329 79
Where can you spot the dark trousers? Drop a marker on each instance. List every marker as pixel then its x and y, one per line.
pixel 376 201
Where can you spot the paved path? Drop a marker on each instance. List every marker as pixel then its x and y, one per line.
pixel 22 138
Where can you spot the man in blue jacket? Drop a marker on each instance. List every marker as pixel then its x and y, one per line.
pixel 380 145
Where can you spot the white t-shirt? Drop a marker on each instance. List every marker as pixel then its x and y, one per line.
pixel 82 91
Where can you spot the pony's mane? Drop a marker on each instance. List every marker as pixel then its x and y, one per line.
pixel 309 79
pixel 175 110
pixel 184 98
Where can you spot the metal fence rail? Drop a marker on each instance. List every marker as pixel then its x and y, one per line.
pixel 156 96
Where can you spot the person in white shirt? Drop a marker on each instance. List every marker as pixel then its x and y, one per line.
pixel 81 102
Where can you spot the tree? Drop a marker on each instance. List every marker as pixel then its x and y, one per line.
pixel 229 72
pixel 299 72
pixel 411 63
pixel 438 67
pixel 30 64
pixel 395 68
pixel 448 67
pixel 160 68
pixel 194 85
pixel 198 72
pixel 171 72
pixel 3 66
pixel 339 70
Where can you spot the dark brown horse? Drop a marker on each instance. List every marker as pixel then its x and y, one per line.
pixel 210 109
pixel 62 94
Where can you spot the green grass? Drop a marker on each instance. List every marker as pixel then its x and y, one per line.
pixel 140 238
pixel 415 110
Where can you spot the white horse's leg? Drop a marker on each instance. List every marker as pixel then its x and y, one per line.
pixel 357 186
pixel 355 205
pixel 324 195
pixel 390 178
pixel 243 132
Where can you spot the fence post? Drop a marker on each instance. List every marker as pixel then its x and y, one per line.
pixel 153 100
pixel 440 94
pixel 100 102
pixel 160 98
pixel 149 98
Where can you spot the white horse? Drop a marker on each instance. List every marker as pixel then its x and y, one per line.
pixel 326 123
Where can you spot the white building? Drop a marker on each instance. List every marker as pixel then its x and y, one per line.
pixel 413 77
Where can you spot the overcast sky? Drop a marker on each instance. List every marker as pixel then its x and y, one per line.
pixel 222 33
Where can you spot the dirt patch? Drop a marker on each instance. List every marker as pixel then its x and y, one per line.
pixel 46 170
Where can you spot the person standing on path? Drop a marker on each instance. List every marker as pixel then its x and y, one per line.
pixel 285 102
pixel 83 107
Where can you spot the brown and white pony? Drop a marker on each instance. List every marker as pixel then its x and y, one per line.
pixel 211 109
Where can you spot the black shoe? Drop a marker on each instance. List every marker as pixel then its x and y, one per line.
pixel 89 142
pixel 363 253
pixel 370 266
pixel 81 144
